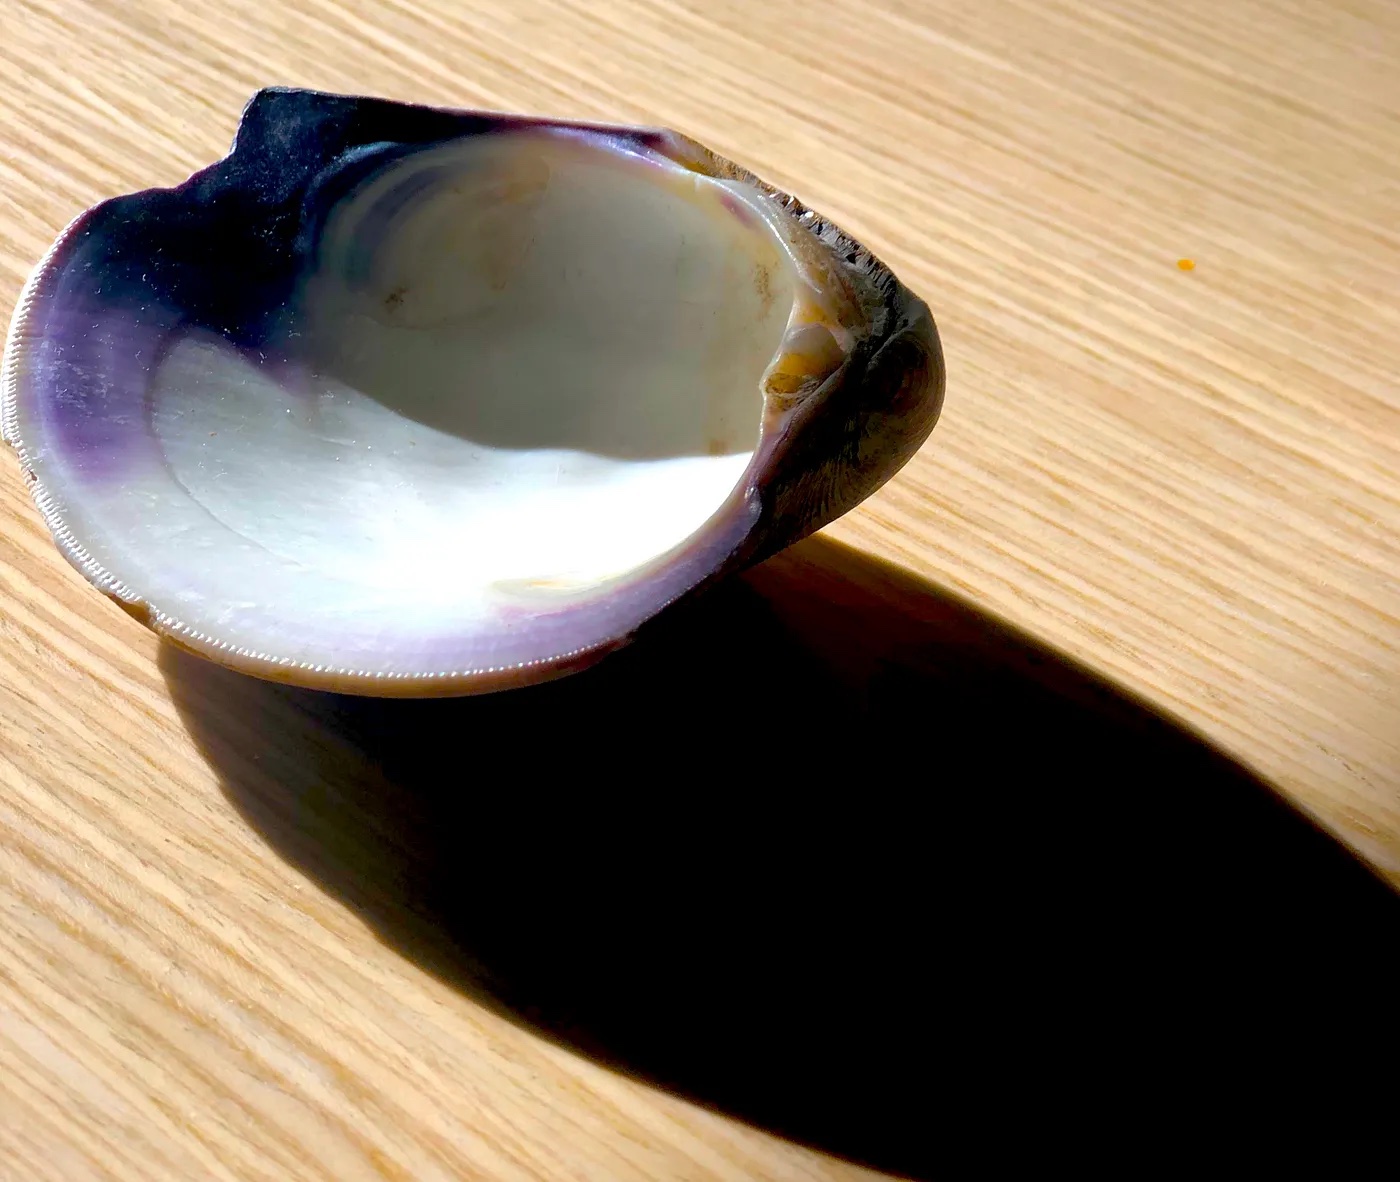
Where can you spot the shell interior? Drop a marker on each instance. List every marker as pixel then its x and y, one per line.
pixel 515 369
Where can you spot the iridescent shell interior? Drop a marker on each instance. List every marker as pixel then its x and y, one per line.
pixel 415 407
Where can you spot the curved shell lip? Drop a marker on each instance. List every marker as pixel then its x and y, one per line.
pixel 726 541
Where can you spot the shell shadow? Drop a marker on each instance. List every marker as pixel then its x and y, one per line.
pixel 834 852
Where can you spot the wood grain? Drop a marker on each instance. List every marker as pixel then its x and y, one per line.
pixel 1188 480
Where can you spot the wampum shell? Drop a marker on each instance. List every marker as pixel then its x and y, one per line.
pixel 197 379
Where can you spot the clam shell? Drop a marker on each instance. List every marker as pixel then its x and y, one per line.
pixel 405 401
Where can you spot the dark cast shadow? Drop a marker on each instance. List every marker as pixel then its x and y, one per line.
pixel 834 852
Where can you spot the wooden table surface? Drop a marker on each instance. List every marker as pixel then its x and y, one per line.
pixel 255 933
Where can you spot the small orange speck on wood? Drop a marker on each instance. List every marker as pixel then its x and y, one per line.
pixel 1186 264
